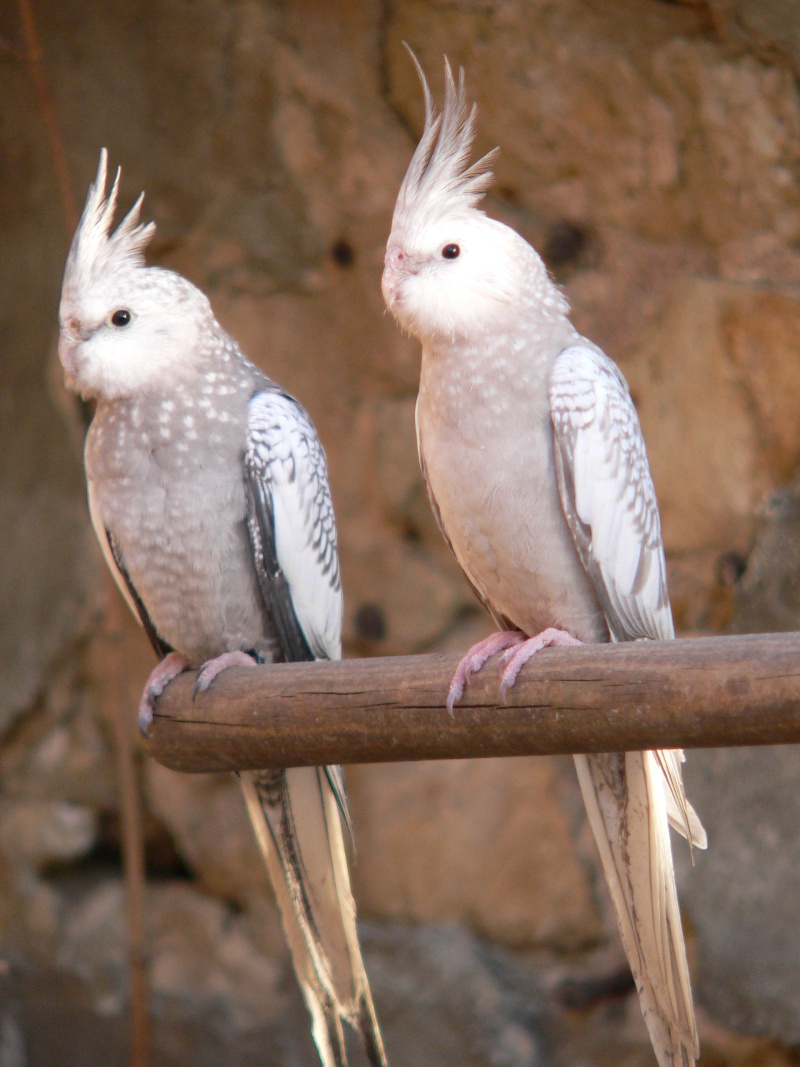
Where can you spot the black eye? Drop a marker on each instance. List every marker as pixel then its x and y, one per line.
pixel 121 317
pixel 451 252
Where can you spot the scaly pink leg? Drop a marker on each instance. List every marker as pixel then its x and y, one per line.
pixel 211 668
pixel 515 659
pixel 170 667
pixel 475 659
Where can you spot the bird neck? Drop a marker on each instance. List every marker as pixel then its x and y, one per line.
pixel 497 360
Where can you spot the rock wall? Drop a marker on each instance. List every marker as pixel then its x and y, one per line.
pixel 651 152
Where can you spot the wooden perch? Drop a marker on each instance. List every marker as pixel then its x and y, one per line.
pixel 690 693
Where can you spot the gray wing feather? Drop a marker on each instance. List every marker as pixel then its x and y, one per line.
pixel 291 519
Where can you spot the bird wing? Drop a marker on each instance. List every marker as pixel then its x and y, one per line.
pixel 299 814
pixel 292 530
pixel 609 501
pixel 607 493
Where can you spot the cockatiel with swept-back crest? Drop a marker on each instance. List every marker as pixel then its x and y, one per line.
pixel 208 491
pixel 536 470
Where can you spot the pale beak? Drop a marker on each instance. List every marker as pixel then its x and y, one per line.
pixel 71 336
pixel 396 265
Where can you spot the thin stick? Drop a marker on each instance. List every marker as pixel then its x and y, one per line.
pixel 691 693
pixel 133 860
pixel 33 52
pixel 132 833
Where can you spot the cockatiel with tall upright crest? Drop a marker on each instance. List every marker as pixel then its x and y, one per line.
pixel 208 492
pixel 536 470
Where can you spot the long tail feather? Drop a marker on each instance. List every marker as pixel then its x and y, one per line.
pixel 625 799
pixel 297 818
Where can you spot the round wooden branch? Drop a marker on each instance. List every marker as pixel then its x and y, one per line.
pixel 690 693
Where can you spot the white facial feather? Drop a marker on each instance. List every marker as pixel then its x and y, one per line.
pixel 124 327
pixel 434 294
pixel 450 272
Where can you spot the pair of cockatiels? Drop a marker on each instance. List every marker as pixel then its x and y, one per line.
pixel 209 495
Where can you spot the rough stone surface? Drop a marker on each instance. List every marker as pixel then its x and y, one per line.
pixel 651 151
pixel 485 842
pixel 742 896
pixel 465 1011
pixel 768 595
pixel 769 28
pixel 714 463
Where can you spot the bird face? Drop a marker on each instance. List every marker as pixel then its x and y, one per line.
pixel 453 278
pixel 129 333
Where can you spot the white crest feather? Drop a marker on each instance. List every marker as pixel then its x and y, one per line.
pixel 439 182
pixel 94 251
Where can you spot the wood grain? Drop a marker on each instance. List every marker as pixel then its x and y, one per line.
pixel 689 693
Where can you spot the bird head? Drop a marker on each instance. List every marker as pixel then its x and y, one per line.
pixel 450 271
pixel 124 327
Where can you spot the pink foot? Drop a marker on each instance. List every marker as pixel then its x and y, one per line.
pixel 170 667
pixel 515 659
pixel 211 668
pixel 475 659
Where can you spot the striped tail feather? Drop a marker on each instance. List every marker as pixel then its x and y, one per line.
pixel 297 816
pixel 626 802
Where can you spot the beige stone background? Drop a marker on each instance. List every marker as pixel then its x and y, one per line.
pixel 651 152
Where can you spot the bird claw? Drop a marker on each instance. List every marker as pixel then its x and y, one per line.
pixel 146 708
pixel 475 658
pixel 211 668
pixel 170 667
pixel 515 659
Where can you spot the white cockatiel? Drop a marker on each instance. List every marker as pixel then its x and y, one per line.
pixel 208 491
pixel 536 470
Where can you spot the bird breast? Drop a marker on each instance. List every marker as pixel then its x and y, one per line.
pixel 486 448
pixel 177 510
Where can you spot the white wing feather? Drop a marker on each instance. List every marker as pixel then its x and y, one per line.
pixel 608 494
pixel 283 446
pixel 609 500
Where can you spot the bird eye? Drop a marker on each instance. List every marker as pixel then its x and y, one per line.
pixel 121 317
pixel 451 252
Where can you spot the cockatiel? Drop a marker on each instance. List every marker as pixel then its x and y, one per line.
pixel 536 471
pixel 208 492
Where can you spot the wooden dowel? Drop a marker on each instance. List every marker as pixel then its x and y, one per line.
pixel 689 693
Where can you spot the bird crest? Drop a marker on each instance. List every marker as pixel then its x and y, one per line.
pixel 95 252
pixel 439 182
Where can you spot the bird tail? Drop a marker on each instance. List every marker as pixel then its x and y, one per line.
pixel 626 801
pixel 297 816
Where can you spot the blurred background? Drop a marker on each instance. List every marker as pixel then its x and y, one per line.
pixel 651 153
